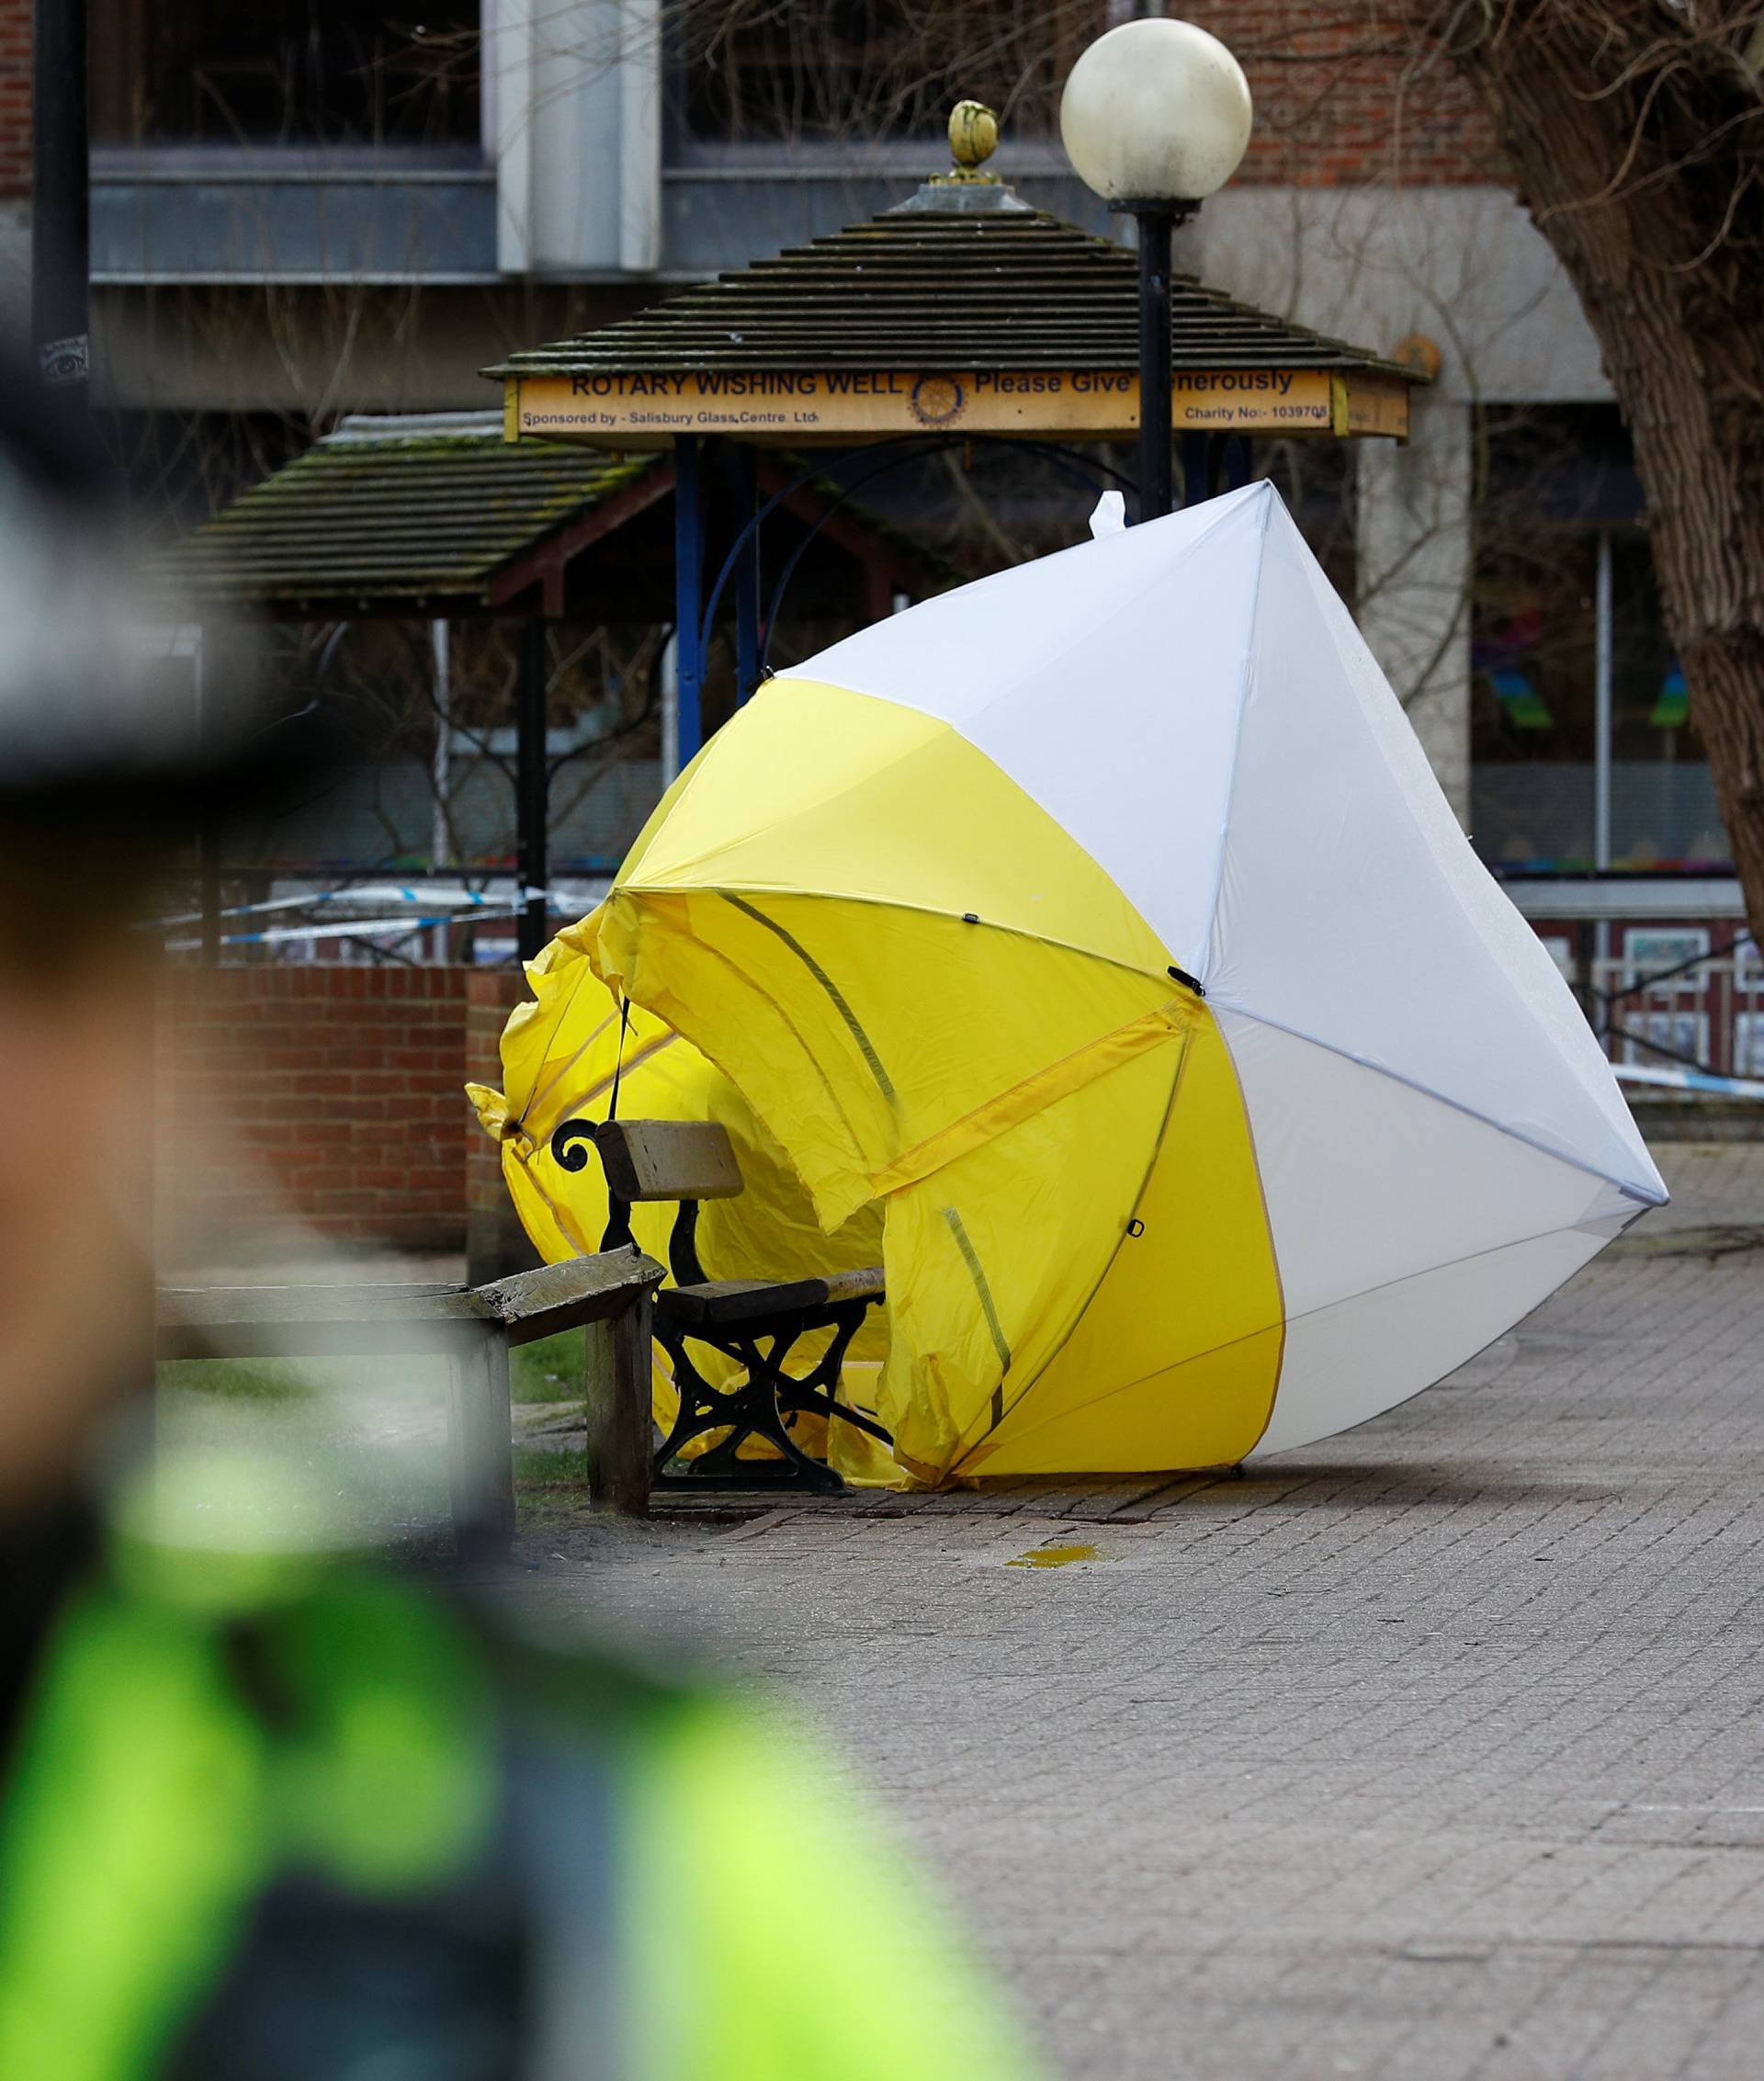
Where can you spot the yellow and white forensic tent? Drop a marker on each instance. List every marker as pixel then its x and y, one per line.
pixel 1099 931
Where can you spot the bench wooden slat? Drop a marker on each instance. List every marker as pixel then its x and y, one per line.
pixel 474 1328
pixel 308 1321
pixel 722 1303
pixel 563 1296
pixel 668 1159
pixel 855 1285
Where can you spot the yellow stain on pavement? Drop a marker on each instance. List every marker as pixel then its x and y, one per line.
pixel 1052 1556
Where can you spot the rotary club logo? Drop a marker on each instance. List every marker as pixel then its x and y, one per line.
pixel 937 401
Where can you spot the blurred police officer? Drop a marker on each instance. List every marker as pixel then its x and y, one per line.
pixel 269 1811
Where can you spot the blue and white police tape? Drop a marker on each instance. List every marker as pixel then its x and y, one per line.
pixel 1704 1081
pixel 346 928
pixel 367 892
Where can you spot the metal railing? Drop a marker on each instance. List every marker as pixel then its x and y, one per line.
pixel 1702 1012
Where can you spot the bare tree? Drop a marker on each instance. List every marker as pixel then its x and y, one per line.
pixel 1634 131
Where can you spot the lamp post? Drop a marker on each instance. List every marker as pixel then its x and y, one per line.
pixel 1155 117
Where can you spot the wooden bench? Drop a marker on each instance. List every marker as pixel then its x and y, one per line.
pixel 755 1322
pixel 473 1328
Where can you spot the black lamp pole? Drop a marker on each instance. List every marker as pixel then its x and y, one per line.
pixel 1156 220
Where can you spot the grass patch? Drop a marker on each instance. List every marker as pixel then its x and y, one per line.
pixel 317 1404
pixel 290 1382
pixel 238 1380
pixel 552 1369
pixel 549 1466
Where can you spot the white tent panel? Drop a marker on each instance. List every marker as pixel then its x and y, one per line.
pixel 1353 909
pixel 1368 1181
pixel 1441 1140
pixel 1360 1357
pixel 1106 682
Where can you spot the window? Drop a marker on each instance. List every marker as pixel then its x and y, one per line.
pixel 1569 649
pixel 1532 653
pixel 272 72
pixel 753 71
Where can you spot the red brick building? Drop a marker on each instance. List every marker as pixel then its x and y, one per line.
pixel 15 98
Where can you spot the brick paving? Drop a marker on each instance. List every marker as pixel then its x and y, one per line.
pixel 1436 1750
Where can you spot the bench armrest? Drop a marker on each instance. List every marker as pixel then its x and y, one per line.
pixel 563 1296
pixel 264 1321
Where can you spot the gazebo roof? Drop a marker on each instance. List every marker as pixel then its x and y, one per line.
pixel 435 516
pixel 921 291
pixel 955 312
pixel 420 513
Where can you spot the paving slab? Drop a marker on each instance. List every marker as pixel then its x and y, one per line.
pixel 1435 1751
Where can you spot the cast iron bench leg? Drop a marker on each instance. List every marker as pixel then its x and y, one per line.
pixel 763 1404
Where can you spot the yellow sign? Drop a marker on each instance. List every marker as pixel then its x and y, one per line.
pixel 795 406
pixel 1377 405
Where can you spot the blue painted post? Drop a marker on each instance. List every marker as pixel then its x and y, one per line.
pixel 689 517
pixel 744 476
pixel 1196 472
pixel 1238 461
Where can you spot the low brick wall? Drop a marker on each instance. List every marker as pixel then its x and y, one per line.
pixel 323 1099
pixel 496 1244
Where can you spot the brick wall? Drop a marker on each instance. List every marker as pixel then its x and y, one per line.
pixel 1343 96
pixel 326 1098
pixel 15 98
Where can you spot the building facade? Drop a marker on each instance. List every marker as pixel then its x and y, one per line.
pixel 352 212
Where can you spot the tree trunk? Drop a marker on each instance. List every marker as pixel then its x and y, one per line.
pixel 1635 136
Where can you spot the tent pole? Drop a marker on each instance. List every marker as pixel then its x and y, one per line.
pixel 689 594
pixel 531 785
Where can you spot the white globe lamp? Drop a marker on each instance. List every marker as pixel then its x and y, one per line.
pixel 1156 111
pixel 1155 117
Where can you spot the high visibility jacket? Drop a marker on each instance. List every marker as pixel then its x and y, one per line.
pixel 279 1819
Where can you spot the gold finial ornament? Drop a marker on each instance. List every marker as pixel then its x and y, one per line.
pixel 973 139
